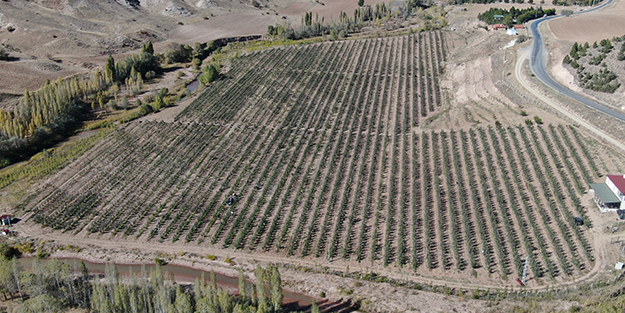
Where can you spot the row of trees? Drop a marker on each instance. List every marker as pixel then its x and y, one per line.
pixel 55 286
pixel 512 16
pixel 345 25
pixel 43 114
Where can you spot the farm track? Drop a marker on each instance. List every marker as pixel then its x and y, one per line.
pixel 323 145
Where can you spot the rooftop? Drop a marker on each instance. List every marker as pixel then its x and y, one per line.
pixel 604 193
pixel 619 182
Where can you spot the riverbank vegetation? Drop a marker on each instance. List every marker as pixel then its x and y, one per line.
pixel 56 286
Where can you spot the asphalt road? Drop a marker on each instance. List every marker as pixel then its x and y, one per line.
pixel 538 57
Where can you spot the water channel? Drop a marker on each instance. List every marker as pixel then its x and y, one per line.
pixel 183 274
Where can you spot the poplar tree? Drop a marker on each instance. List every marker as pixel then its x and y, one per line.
pixel 242 286
pixel 260 290
pixel 276 289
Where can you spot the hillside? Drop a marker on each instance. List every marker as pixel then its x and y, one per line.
pixel 346 172
pixel 57 38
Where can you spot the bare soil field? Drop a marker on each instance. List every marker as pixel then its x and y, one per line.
pixel 590 27
pixel 329 10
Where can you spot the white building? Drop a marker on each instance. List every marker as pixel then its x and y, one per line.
pixel 616 183
pixel 611 194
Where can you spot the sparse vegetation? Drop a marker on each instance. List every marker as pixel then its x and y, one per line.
pixel 592 70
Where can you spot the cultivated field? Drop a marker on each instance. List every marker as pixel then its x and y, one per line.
pixel 327 148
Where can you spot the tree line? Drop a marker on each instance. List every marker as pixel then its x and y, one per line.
pixel 55 286
pixel 346 24
pixel 514 16
pixel 43 116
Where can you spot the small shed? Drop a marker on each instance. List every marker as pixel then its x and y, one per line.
pixel 498 17
pixel 5 220
pixel 519 26
pixel 619 266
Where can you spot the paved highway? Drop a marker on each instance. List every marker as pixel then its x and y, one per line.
pixel 538 58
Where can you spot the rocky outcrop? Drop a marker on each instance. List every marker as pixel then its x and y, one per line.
pixel 176 10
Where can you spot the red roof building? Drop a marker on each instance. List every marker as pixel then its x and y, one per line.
pixel 5 220
pixel 616 183
pixel 499 26
pixel 519 26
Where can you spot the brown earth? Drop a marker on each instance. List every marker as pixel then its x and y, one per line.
pixel 590 27
pixel 75 36
pixel 475 94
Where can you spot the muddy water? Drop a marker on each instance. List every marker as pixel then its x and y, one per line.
pixel 181 274
pixel 193 85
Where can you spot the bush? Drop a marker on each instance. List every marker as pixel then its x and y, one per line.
pixel 42 303
pixel 159 262
pixel 211 73
pixel 177 53
pixel 25 247
pixel 538 120
pixel 211 257
pixel 528 122
pixel 3 54
pixel 9 252
pixel 522 38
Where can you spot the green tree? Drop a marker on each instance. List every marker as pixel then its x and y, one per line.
pixel 158 103
pixel 276 289
pixel 109 69
pixel 507 20
pixel 183 301
pixel 41 303
pixel 314 308
pixel 361 3
pixel 211 73
pixel 148 48
pixel 196 63
pixel 260 290
pixel 242 285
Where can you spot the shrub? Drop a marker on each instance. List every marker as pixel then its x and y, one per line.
pixel 528 122
pixel 9 252
pixel 538 120
pixel 3 54
pixel 211 257
pixel 159 262
pixel 523 113
pixel 522 38
pixel 211 73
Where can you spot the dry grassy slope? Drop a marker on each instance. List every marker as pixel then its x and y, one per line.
pixel 57 38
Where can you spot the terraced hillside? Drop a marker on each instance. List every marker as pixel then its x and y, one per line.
pixel 327 147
